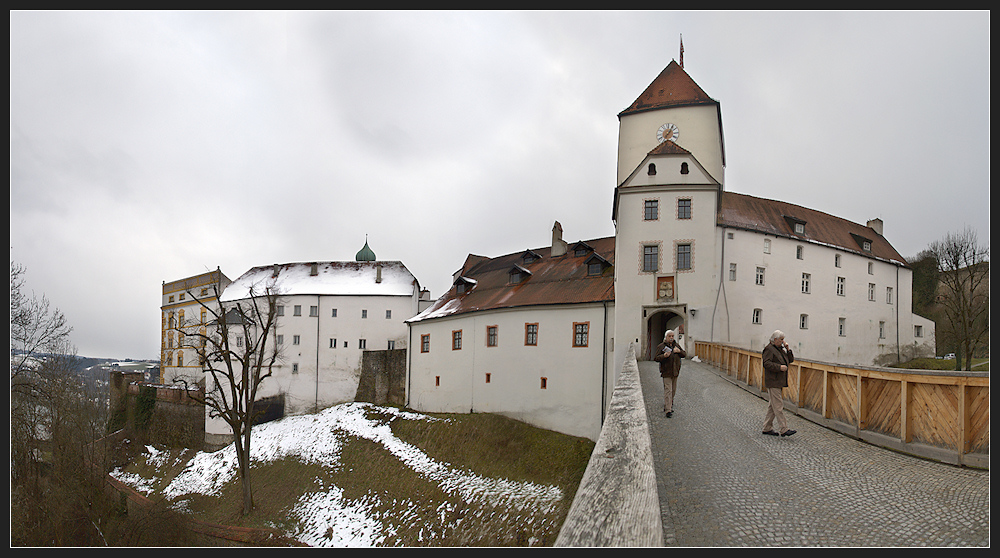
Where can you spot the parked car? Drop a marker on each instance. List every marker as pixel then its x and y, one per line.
pixel 949 356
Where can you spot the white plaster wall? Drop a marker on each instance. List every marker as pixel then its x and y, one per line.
pixel 572 399
pixel 340 367
pixel 782 301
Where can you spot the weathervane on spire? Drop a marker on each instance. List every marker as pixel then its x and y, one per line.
pixel 682 51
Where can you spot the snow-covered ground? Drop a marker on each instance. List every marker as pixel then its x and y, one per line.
pixel 325 518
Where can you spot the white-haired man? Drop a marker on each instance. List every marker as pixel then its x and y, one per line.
pixel 669 355
pixel 776 357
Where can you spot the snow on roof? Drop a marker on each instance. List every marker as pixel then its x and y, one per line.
pixel 382 278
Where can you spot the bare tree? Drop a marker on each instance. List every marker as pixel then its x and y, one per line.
pixel 965 297
pixel 35 329
pixel 237 352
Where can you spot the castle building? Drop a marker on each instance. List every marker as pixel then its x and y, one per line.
pixel 538 335
pixel 183 311
pixel 731 268
pixel 328 314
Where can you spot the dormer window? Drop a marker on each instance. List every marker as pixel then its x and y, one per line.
pixel 518 274
pixel 798 225
pixel 596 265
pixel 581 249
pixel 529 257
pixel 464 285
pixel 864 243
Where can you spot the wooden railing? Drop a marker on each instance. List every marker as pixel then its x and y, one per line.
pixel 935 414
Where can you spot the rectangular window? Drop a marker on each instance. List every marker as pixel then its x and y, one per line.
pixel 842 327
pixel 364 314
pixel 871 292
pixel 487 377
pixel 881 330
pixel 333 343
pixel 871 268
pixel 836 260
pixel 531 334
pixel 767 245
pixel 491 336
pixel 732 272
pixel 756 315
pixel 650 258
pixel 281 339
pixel 298 310
pixel 651 210
pixel 798 252
pixel 683 256
pixel 581 333
pixel 313 311
pixel 759 278
pixel 280 310
pixel 803 321
pixel 295 368
pixel 684 208
pixel 545 383
pixel 888 295
pixel 425 343
pixel 456 340
pixel 806 278
pixel 333 313
pixel 918 331
pixel 362 344
pixel 295 339
pixel 840 286
pixel 388 314
pixel 392 345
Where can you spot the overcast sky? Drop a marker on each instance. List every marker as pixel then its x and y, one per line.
pixel 152 146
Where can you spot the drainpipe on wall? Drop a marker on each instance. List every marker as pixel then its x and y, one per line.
pixel 317 353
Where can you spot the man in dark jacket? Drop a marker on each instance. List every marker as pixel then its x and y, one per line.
pixel 669 355
pixel 776 358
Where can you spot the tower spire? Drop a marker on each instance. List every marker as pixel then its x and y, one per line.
pixel 682 51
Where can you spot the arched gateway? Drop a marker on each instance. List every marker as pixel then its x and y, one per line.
pixel 657 324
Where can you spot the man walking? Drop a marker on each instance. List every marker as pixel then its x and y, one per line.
pixel 669 355
pixel 776 358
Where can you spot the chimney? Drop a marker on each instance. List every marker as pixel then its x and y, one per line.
pixel 559 246
pixel 378 272
pixel 274 270
pixel 876 225
pixel 314 270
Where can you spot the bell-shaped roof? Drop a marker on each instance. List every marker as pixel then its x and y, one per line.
pixel 365 254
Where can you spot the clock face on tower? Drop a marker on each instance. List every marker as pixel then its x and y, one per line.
pixel 667 132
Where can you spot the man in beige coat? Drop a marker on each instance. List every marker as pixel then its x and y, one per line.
pixel 669 355
pixel 776 357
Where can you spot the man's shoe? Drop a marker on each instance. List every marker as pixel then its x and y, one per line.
pixel 770 432
pixel 787 433
pixel 670 414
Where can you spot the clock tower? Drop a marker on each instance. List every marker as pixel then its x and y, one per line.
pixel 671 173
pixel 672 108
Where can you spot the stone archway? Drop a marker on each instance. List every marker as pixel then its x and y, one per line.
pixel 657 324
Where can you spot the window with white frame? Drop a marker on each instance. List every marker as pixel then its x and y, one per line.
pixel 650 257
pixel 888 295
pixel 651 210
pixel 732 272
pixel 767 245
pixel 803 321
pixel 871 292
pixel 756 315
pixel 806 279
pixel 840 286
pixel 842 327
pixel 683 256
pixel 759 278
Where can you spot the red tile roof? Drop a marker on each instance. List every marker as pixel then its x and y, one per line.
pixel 673 87
pixel 778 218
pixel 550 280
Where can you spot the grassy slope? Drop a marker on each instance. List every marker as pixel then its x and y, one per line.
pixel 417 511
